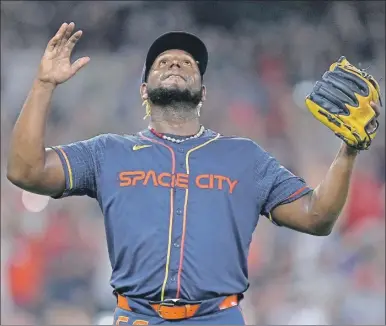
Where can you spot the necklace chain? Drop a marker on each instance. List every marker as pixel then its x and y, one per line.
pixel 175 140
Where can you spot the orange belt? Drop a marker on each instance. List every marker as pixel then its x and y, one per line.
pixel 172 311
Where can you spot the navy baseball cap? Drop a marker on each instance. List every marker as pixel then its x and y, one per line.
pixel 177 40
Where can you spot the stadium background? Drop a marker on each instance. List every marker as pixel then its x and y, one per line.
pixel 264 58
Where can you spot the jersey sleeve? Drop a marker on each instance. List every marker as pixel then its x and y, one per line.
pixel 280 185
pixel 81 163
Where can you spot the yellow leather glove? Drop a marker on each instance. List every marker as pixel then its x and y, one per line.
pixel 341 101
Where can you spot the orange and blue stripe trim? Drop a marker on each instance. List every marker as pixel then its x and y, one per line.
pixel 70 174
pixel 185 212
pixel 171 214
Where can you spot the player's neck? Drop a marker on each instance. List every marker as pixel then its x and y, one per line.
pixel 178 129
pixel 181 123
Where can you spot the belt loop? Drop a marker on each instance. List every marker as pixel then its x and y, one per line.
pixel 123 303
pixel 228 302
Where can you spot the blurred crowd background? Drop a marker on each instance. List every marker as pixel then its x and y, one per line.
pixel 264 59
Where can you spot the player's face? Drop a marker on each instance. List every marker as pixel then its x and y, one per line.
pixel 175 69
pixel 174 77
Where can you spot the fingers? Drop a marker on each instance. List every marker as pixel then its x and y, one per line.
pixel 372 126
pixel 79 64
pixel 72 41
pixel 376 108
pixel 58 37
pixel 65 43
pixel 67 34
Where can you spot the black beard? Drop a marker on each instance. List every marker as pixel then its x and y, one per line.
pixel 173 97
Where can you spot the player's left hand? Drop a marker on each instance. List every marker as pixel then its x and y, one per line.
pixel 348 101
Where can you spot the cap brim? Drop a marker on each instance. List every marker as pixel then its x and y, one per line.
pixel 177 40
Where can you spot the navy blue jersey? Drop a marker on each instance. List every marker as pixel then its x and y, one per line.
pixel 179 217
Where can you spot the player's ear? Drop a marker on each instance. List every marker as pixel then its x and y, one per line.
pixel 143 92
pixel 203 92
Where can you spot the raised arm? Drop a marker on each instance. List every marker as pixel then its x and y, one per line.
pixel 30 165
pixel 316 212
pixel 347 100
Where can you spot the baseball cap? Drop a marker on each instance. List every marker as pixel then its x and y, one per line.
pixel 177 40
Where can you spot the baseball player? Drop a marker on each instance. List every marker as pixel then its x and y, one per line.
pixel 181 201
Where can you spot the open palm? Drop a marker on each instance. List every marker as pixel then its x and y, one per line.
pixel 55 66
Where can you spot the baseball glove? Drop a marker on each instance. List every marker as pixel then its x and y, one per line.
pixel 341 101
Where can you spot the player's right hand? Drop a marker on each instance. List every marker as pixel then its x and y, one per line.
pixel 55 67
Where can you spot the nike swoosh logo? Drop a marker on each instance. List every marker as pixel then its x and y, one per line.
pixel 137 147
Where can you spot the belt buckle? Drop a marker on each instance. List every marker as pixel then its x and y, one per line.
pixel 171 303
